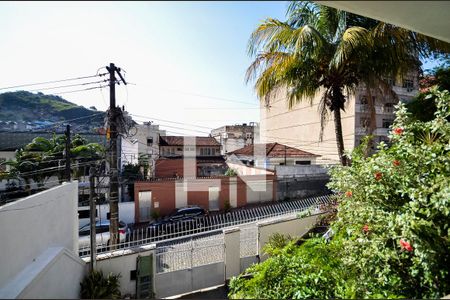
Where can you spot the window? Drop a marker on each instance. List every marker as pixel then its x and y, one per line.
pixel 408 84
pixel 149 141
pixel 388 107
pixel 205 151
pixel 387 123
pixel 179 149
pixel 282 164
pixel 302 162
pixel 364 122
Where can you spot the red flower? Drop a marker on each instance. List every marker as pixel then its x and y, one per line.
pixel 348 194
pixel 378 176
pixel 405 245
pixel 396 163
pixel 398 131
pixel 365 228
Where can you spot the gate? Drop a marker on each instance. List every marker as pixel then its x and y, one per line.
pixel 144 277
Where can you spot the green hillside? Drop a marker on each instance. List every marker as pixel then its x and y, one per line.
pixel 26 106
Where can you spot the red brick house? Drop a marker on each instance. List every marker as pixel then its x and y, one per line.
pixel 163 195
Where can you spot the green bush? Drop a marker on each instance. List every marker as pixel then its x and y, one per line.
pixel 391 228
pixel 231 172
pixel 96 286
pixel 276 243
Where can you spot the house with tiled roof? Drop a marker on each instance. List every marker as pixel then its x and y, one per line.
pixel 270 155
pixel 178 152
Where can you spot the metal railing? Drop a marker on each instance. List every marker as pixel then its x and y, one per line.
pixel 167 232
pixel 197 251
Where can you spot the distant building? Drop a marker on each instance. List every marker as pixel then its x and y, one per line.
pixel 147 136
pixel 233 137
pixel 300 126
pixel 275 154
pixel 172 162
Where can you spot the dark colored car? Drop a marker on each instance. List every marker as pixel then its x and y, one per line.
pixel 183 218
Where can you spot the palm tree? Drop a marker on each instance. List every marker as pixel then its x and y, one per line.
pixel 44 158
pixel 321 50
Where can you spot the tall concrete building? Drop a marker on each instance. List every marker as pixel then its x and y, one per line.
pixel 233 137
pixel 300 126
pixel 147 135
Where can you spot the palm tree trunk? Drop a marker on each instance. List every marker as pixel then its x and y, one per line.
pixel 372 120
pixel 339 137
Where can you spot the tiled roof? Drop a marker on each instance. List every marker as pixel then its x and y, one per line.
pixel 179 141
pixel 274 150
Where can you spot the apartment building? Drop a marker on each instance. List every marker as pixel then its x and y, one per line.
pixel 233 137
pixel 300 126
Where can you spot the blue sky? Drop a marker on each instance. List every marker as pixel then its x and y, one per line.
pixel 181 56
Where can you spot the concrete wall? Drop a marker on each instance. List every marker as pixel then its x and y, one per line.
pixel 300 170
pixel 32 225
pixel 123 265
pixel 52 275
pixel 232 247
pixel 185 281
pixel 292 226
pixel 302 187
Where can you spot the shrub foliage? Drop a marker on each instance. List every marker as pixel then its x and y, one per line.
pixel 391 231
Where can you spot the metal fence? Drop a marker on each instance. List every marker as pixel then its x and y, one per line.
pixel 198 251
pixel 210 223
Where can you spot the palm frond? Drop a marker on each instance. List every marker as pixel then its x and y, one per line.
pixel 270 34
pixel 354 41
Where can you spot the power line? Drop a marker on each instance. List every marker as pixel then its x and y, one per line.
pixel 53 81
pixel 201 95
pixel 74 91
pixel 162 120
pixel 68 85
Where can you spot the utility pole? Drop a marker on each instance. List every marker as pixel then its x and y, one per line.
pixel 113 163
pixel 67 170
pixel 92 219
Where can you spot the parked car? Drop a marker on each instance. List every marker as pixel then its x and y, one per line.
pixel 180 219
pixel 101 233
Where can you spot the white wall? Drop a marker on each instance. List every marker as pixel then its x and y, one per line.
pixel 51 275
pixel 242 169
pixel 126 212
pixel 299 170
pixel 32 225
pixel 259 191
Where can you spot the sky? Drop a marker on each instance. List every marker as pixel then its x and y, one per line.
pixel 185 61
